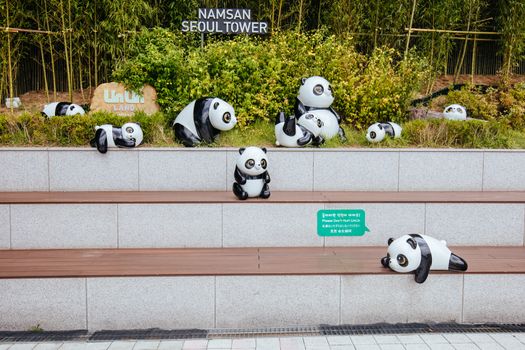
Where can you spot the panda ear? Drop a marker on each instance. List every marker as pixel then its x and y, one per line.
pixel 390 240
pixel 215 105
pixel 412 242
pixel 264 149
pixel 241 150
pixel 138 124
pixel 303 80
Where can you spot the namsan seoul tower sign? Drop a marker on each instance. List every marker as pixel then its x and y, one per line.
pixel 225 21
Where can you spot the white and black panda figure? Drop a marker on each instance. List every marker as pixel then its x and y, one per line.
pixel 290 132
pixel 421 254
pixel 315 94
pixel 62 108
pixel 109 136
pixel 377 131
pixel 251 176
pixel 455 112
pixel 202 120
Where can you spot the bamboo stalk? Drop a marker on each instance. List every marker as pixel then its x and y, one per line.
pixel 473 66
pixel 410 27
pixel 66 52
pixel 467 32
pixel 464 51
pixel 10 72
pixel 51 53
pixel 71 50
pixel 24 30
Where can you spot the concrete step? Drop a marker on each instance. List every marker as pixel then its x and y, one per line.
pixel 294 288
pixel 67 220
pixel 205 169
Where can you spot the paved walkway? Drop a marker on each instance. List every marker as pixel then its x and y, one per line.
pixel 447 341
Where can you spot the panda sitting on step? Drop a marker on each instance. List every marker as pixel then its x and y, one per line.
pixel 129 135
pixel 251 176
pixel 290 132
pixel 421 254
pixel 62 108
pixel 315 94
pixel 202 120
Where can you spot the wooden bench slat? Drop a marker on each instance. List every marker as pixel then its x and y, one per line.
pixel 276 197
pixel 232 261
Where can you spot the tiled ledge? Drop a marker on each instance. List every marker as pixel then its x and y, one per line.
pixel 211 169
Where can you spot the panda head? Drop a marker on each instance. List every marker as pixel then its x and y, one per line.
pixel 315 92
pixel 455 112
pixel 132 131
pixel 252 160
pixel 222 115
pixel 311 122
pixel 404 255
pixel 74 109
pixel 375 133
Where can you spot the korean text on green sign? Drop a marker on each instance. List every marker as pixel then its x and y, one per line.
pixel 341 222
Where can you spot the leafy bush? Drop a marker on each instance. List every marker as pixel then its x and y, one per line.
pixel 479 105
pixel 261 77
pixel 513 106
pixel 33 129
pixel 461 134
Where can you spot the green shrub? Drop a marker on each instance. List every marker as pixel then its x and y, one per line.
pixel 460 134
pixel 479 105
pixel 261 77
pixel 78 130
pixel 513 106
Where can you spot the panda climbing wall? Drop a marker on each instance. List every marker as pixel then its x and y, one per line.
pixel 108 136
pixel 202 120
pixel 62 108
pixel 290 132
pixel 421 254
pixel 251 176
pixel 315 94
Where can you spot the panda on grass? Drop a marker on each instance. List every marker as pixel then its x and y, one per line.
pixel 62 108
pixel 315 94
pixel 251 176
pixel 202 120
pixel 290 132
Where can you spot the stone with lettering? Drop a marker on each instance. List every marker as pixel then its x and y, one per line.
pixel 114 98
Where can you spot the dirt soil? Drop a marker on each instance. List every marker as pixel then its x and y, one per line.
pixel 34 101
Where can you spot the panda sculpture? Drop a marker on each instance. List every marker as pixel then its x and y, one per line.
pixel 455 112
pixel 421 254
pixel 377 131
pixel 315 93
pixel 129 135
pixel 251 176
pixel 290 132
pixel 202 120
pixel 62 108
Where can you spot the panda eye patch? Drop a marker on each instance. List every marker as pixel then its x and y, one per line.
pixel 402 260
pixel 373 134
pixel 263 163
pixel 318 89
pixel 215 105
pixel 250 163
pixel 129 129
pixel 72 107
pixel 226 117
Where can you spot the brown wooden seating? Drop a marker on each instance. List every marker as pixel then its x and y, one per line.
pixel 276 197
pixel 232 261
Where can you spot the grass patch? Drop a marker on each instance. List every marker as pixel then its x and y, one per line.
pixel 34 130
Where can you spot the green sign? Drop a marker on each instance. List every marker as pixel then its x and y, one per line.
pixel 341 222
